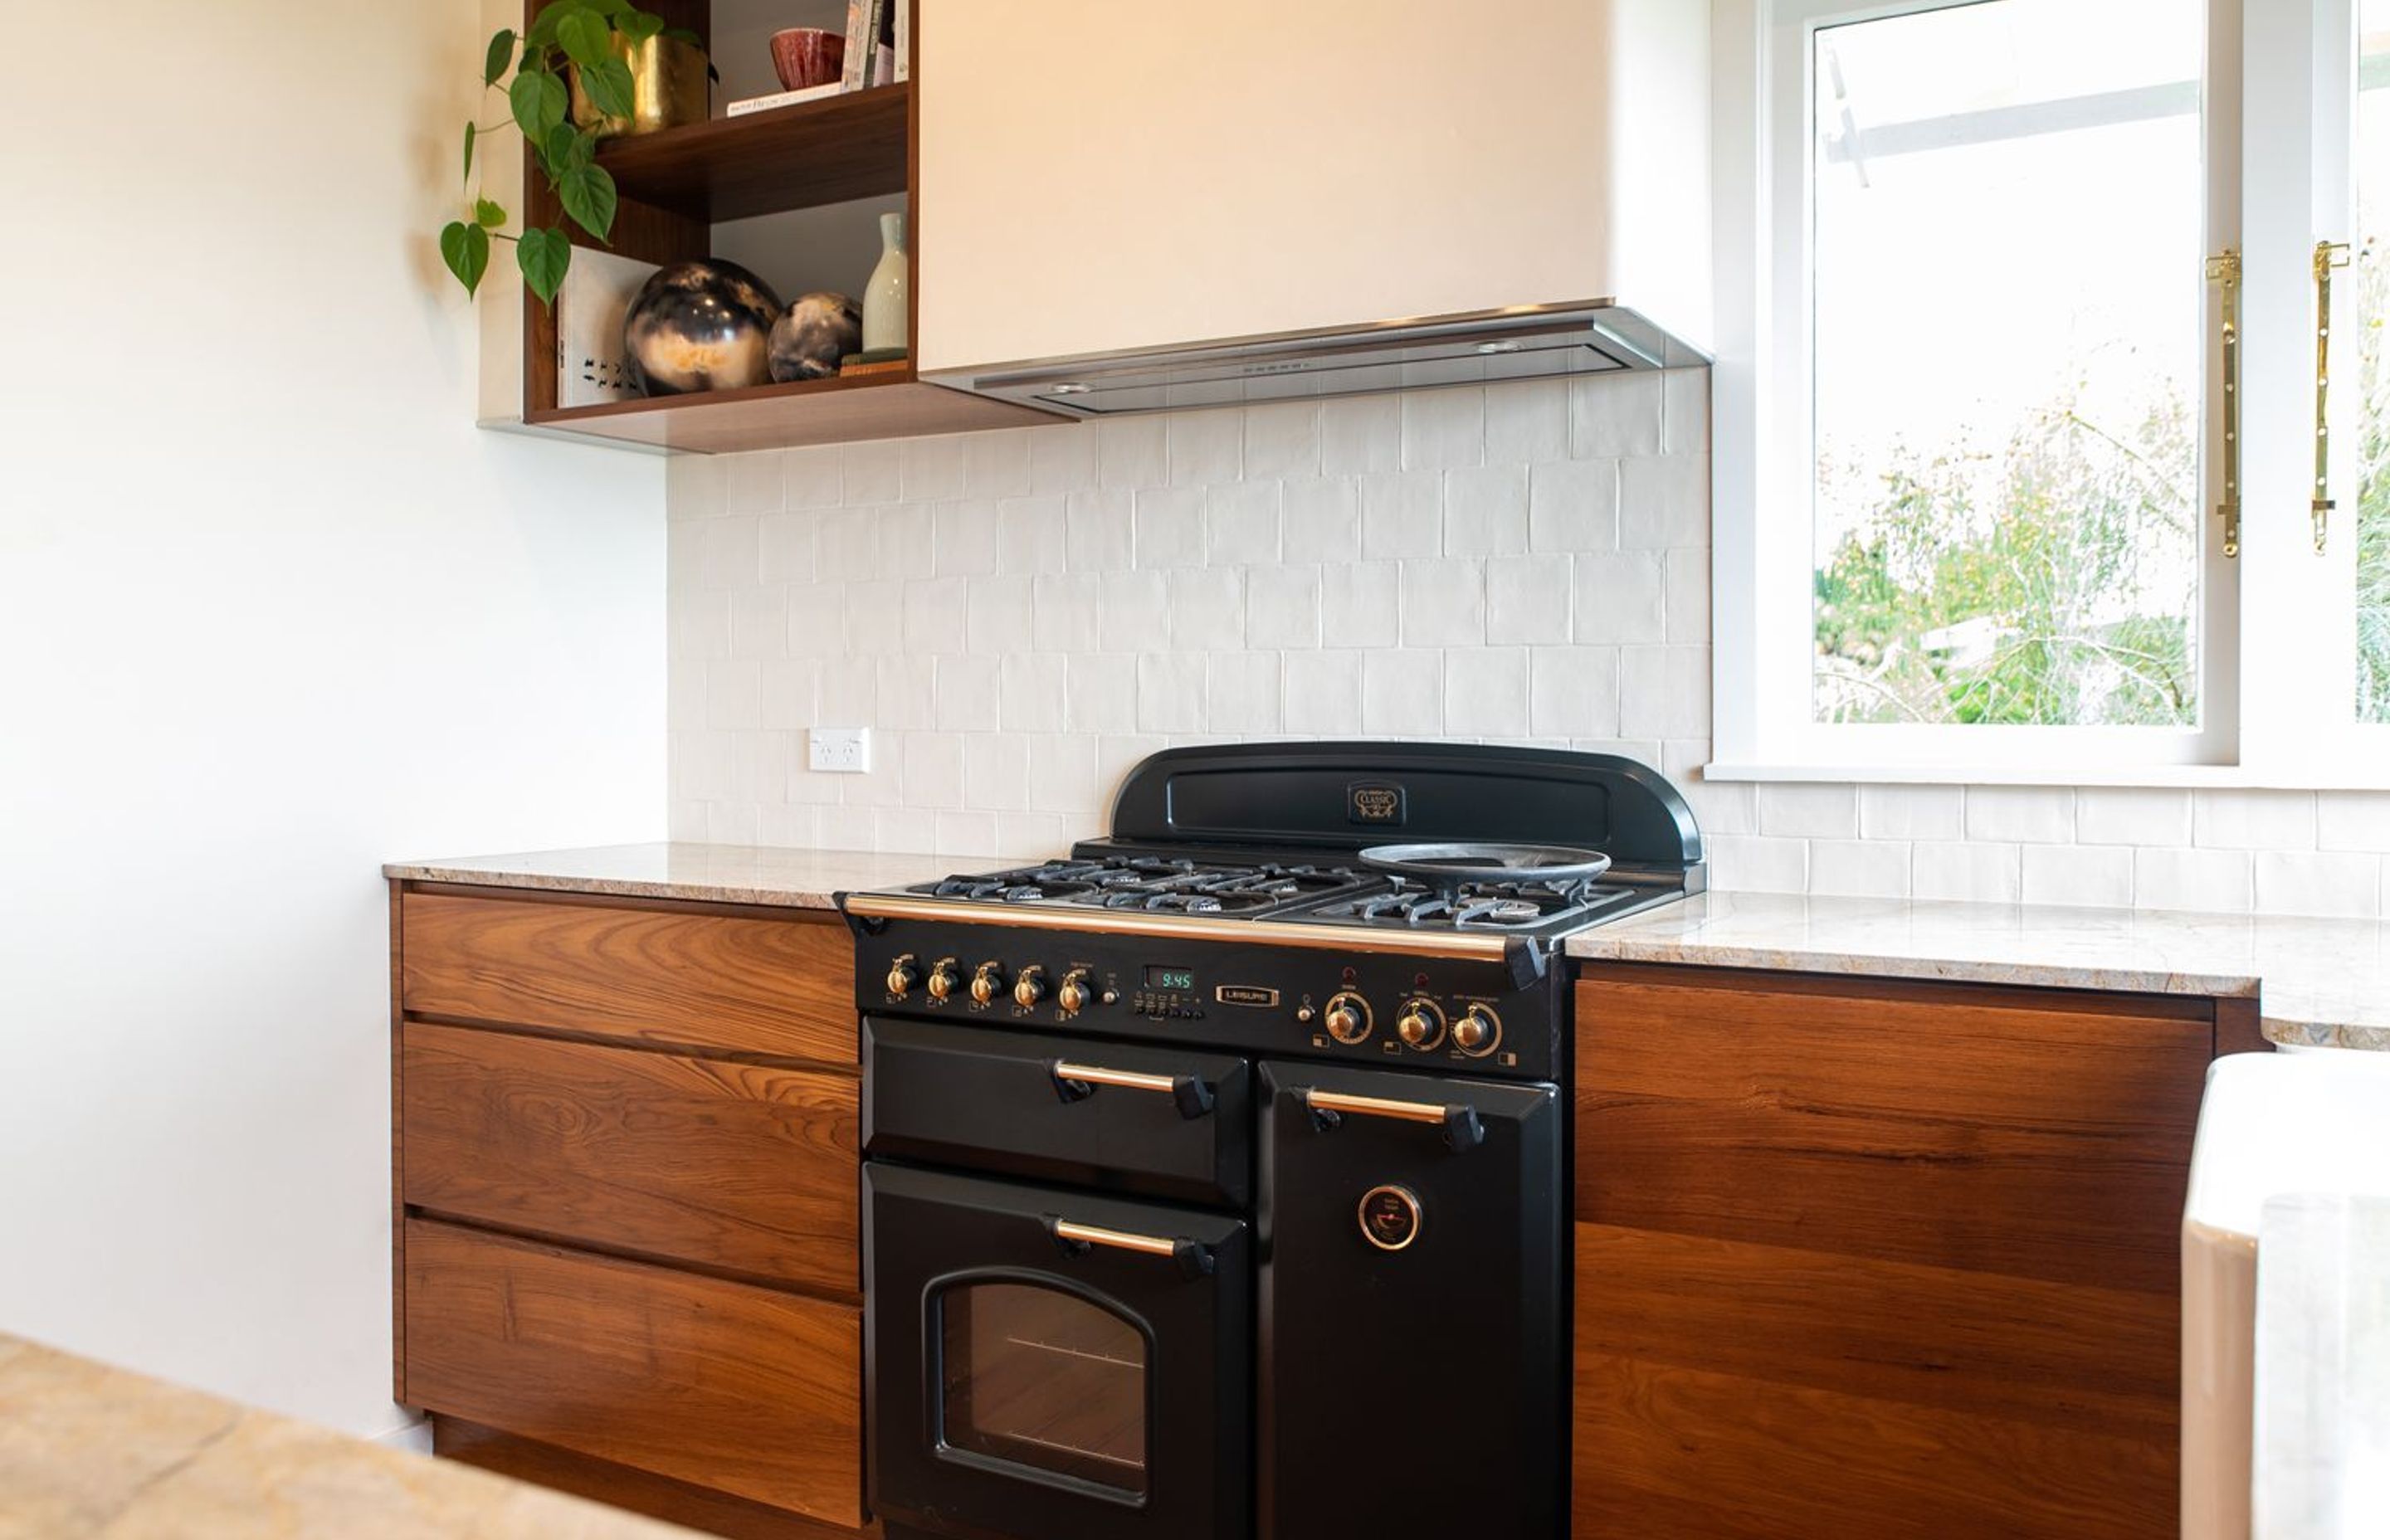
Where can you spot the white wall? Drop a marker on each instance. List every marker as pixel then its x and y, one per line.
pixel 1024 614
pixel 272 611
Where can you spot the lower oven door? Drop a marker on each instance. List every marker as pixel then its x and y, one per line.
pixel 1043 1363
pixel 1412 1352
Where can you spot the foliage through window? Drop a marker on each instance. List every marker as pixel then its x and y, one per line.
pixel 2372 177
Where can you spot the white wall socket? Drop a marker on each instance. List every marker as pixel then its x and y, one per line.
pixel 841 750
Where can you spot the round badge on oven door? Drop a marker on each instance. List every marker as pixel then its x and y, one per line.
pixel 1390 1217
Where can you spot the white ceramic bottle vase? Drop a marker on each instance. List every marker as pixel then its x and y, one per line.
pixel 885 321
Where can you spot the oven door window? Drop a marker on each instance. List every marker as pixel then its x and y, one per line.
pixel 1031 1376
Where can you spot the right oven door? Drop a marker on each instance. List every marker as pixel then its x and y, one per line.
pixel 1412 1352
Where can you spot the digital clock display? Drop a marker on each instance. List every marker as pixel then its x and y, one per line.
pixel 1181 978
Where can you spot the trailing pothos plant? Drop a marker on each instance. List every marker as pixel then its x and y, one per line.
pixel 576 32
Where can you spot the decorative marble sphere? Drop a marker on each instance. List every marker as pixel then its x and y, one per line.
pixel 700 325
pixel 818 331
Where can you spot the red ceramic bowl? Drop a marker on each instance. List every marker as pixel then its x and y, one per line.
pixel 808 56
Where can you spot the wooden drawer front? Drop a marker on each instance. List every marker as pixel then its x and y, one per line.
pixel 741 1389
pixel 736 1166
pixel 775 986
pixel 1941 1125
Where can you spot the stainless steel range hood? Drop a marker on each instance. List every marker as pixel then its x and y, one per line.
pixel 1517 342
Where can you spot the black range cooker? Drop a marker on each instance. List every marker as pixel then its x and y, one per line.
pixel 1216 1174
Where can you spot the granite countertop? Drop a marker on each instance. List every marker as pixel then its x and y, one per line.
pixel 89 1450
pixel 717 874
pixel 2319 982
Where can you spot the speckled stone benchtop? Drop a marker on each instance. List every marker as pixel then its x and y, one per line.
pixel 2317 981
pixel 716 874
pixel 93 1452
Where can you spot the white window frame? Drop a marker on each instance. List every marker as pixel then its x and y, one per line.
pixel 2280 92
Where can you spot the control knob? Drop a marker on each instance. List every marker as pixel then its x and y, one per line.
pixel 1031 988
pixel 1073 997
pixel 943 979
pixel 1421 1026
pixel 987 982
pixel 903 976
pixel 1477 1031
pixel 1348 1018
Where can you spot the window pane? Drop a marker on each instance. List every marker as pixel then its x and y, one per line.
pixel 2008 316
pixel 1040 1377
pixel 2372 167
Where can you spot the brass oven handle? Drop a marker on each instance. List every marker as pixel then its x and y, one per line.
pixel 1462 1130
pixel 2328 254
pixel 1194 1259
pixel 1078 1082
pixel 2225 273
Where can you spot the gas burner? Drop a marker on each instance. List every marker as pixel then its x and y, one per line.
pixel 1525 906
pixel 1159 884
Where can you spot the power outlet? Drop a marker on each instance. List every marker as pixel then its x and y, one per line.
pixel 840 751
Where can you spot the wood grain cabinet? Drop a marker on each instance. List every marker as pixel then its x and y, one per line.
pixel 1868 1261
pixel 626 1192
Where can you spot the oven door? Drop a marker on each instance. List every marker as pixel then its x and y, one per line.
pixel 1044 1363
pixel 1413 1350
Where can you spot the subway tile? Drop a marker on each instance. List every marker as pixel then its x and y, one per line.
pixel 731 824
pixel 1859 869
pixel 2132 815
pixel 1323 691
pixel 1359 604
pixel 786 698
pixel 1442 603
pixel 685 692
pixel 1118 754
pixel 1241 522
pixel 2343 884
pixel 1321 517
pixel 1402 691
pixel 1360 434
pixel 754 482
pixel 1207 448
pixel 1966 869
pixel 869 473
pixel 1756 863
pixel 1282 439
pixel 996 465
pixel 2170 878
pixel 1911 811
pixel 784 548
pixel 965 833
pixel 814 477
pixel 875 616
pixel 1062 459
pixel 1246 693
pixel 1282 606
pixel 970 698
pixel 1573 505
pixel 995 772
pixel 847 690
pixel 1402 514
pixel 781 824
pixel 2085 875
pixel 930 471
pixel 1129 611
pixel 935 614
pixel 726 551
pixel 2027 814
pixel 734 693
pixel 2354 820
pixel 962 539
pixel 1485 692
pixel 1031 535
pixel 1663 691
pixel 1486 510
pixel 1169 691
pixel 1170 526
pixel 2254 820
pixel 1573 691
pixel 696 486
pixel 686 820
pixel 816 621
pixel 881 785
pixel 759 622
pixel 848 828
pixel 1527 600
pixel 1527 420
pixel 1814 812
pixel 1618 596
pixel 1029 834
pixel 1032 688
pixel 1685 412
pixel 1062 610
pixel 906 695
pixel 1062 774
pixel 1132 452
pixel 1726 807
pixel 1099 692
pixel 933 770
pixel 1615 416
pixel 1664 503
pixel 1442 428
pixel 1684 595
pixel 901 537
pixel 1098 530
pixel 1205 609
pixel 904 830
pixel 846 545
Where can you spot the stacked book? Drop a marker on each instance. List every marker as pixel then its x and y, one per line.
pixel 879 52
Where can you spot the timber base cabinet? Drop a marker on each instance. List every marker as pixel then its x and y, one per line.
pixel 626 1190
pixel 1875 1260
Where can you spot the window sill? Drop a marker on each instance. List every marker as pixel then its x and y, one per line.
pixel 2354 777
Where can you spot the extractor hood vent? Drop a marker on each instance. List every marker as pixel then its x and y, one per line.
pixel 1523 342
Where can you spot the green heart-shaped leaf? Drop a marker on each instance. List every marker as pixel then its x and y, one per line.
pixel 585 38
pixel 587 194
pixel 466 248
pixel 543 255
pixel 538 102
pixel 487 214
pixel 502 48
pixel 639 26
pixel 471 131
pixel 608 85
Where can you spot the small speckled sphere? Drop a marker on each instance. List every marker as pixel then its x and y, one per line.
pixel 818 331
pixel 700 325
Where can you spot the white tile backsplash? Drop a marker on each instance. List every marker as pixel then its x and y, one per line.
pixel 1024 615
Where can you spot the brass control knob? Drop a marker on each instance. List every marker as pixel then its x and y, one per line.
pixel 1348 1018
pixel 1073 997
pixel 1031 988
pixel 1477 1031
pixel 903 976
pixel 1421 1026
pixel 988 982
pixel 943 979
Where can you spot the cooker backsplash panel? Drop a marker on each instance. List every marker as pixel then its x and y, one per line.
pixel 1020 616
